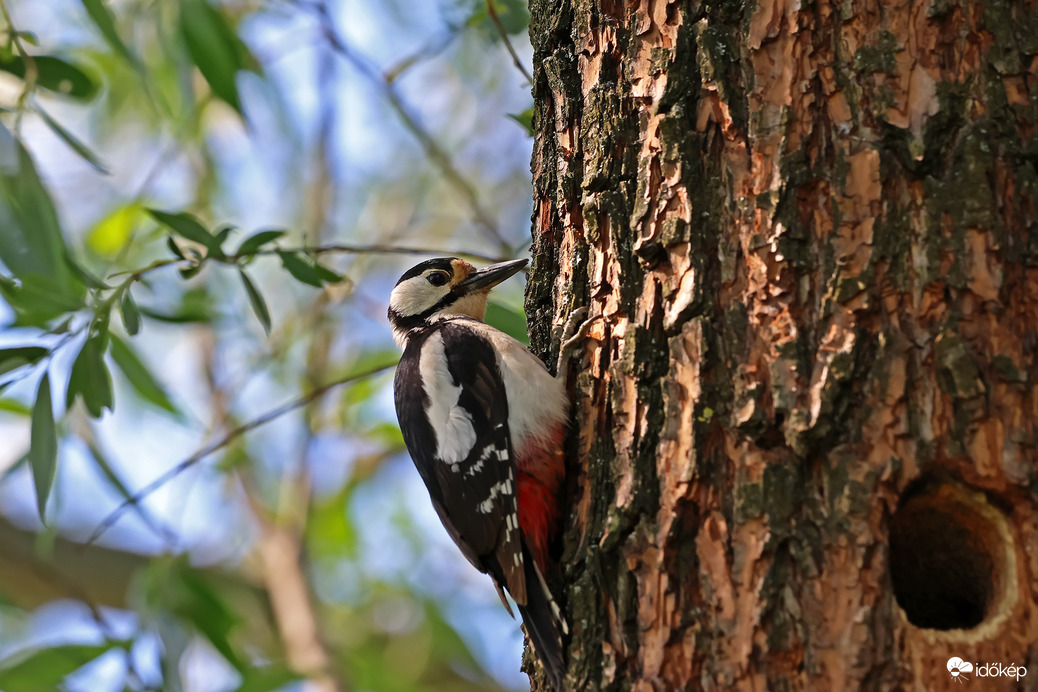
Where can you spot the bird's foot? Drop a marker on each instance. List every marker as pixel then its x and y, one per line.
pixel 574 333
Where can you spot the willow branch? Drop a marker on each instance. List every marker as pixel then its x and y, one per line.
pixel 432 148
pixel 219 444
pixel 492 11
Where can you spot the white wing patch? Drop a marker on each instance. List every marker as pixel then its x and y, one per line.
pixel 452 424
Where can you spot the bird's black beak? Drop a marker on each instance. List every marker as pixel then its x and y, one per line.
pixel 488 277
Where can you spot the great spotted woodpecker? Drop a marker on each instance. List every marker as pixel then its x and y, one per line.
pixel 484 422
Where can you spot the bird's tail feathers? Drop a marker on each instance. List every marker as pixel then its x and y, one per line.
pixel 544 622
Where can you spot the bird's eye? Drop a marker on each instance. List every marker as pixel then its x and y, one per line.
pixel 438 278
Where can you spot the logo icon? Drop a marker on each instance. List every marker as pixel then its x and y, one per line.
pixel 958 668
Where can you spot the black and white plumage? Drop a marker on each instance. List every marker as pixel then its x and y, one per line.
pixel 483 421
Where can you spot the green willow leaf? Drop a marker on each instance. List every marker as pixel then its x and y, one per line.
pixel 214 48
pixel 513 15
pixel 43 451
pixel 186 225
pixel 131 315
pixel 28 37
pixel 105 23
pixel 37 301
pixel 19 356
pixel 73 142
pixel 259 306
pixel 254 242
pixel 223 233
pixel 189 272
pixel 139 376
pixel 199 603
pixel 90 378
pixel 81 273
pixel 14 407
pixel 31 243
pixel 327 275
pixel 195 306
pixel 267 679
pixel 301 269
pixel 54 74
pixel 45 669
pixel 525 120
pixel 172 245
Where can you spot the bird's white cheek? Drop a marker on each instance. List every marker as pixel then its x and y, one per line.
pixel 415 296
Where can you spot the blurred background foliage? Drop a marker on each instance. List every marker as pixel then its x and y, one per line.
pixel 203 207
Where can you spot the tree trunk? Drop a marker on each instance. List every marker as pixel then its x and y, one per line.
pixel 805 422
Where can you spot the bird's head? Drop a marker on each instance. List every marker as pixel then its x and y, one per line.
pixel 442 287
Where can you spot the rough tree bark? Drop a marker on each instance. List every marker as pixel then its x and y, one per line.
pixel 806 424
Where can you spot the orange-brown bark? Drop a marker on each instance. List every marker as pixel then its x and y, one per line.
pixel 805 438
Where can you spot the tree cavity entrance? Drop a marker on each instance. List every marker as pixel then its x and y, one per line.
pixel 952 558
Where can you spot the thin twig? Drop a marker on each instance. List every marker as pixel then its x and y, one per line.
pixel 85 431
pixel 330 248
pixel 216 445
pixel 390 250
pixel 427 52
pixel 432 148
pixel 31 70
pixel 508 44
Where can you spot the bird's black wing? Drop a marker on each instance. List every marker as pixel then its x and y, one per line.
pixel 474 489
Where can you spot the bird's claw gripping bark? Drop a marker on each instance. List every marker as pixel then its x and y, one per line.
pixel 574 333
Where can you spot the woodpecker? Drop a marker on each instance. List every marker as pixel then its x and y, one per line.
pixel 484 422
